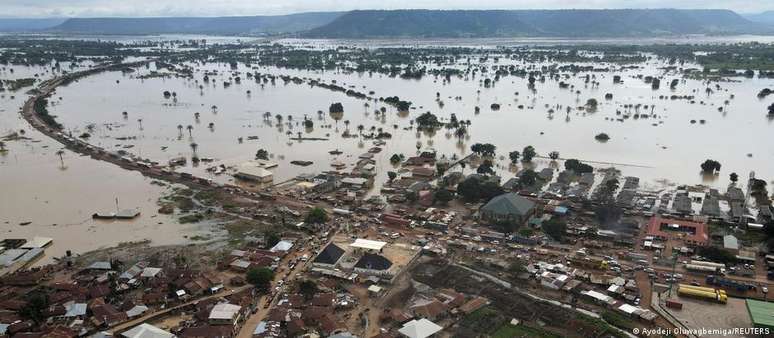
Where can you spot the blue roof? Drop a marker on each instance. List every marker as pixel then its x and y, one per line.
pixel 261 328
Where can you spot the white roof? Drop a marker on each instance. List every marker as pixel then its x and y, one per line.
pixel 627 308
pixel 136 310
pixel 224 311
pixel 368 244
pixel 282 246
pixel 598 296
pixel 419 328
pixel 374 288
pixel 250 170
pixel 37 242
pixel 147 331
pixel 150 272
pixel 240 263
pixel 75 309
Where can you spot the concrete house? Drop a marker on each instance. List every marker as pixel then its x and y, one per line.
pixel 508 207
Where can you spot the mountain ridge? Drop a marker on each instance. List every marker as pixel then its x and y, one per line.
pixel 534 23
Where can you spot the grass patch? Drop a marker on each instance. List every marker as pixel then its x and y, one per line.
pixel 192 218
pixel 619 320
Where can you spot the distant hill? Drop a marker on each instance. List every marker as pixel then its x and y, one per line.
pixel 28 25
pixel 535 23
pixel 253 25
pixel 765 17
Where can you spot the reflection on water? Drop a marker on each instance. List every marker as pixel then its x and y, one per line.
pixel 651 135
pixel 57 195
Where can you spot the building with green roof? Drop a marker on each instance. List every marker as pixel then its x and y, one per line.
pixel 508 207
pixel 761 313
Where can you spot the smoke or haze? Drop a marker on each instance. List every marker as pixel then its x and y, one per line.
pixel 135 8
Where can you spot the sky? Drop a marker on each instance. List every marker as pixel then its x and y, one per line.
pixel 134 8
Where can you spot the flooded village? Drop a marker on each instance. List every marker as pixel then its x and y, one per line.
pixel 284 188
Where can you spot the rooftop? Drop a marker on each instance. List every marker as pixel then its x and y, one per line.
pixel 761 313
pixel 147 331
pixel 368 244
pixel 224 311
pixel 419 328
pixel 509 203
pixel 330 255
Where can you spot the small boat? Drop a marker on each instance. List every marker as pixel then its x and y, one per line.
pixel 335 152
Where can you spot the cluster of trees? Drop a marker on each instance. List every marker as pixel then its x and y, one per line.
pixel 485 149
pixel 486 168
pixel 710 166
pixel 260 277
pixel 473 190
pixel 527 154
pixel 316 216
pixel 577 166
pixel 555 228
pixel 717 254
pixel 262 154
pixel 427 120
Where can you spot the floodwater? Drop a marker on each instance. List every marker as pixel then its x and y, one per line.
pixel 58 196
pixel 662 145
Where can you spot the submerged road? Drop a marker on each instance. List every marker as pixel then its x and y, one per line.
pixel 48 87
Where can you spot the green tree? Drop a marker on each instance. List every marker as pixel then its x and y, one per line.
pixel 444 196
pixel 262 154
pixel 554 155
pixel 336 108
pixel 272 238
pixel 391 175
pixel 577 166
pixel 307 288
pixel 554 228
pixel 485 168
pixel 733 177
pixel 37 303
pixel 317 216
pixel 528 178
pixel 710 166
pixel 528 153
pixel 514 156
pixel 260 277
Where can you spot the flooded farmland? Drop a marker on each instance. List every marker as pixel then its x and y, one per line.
pixel 48 196
pixel 225 112
pixel 652 136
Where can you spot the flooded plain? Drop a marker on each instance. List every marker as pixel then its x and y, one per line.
pixel 652 136
pixel 658 135
pixel 48 196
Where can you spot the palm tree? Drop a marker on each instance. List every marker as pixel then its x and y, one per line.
pixel 139 121
pixel 346 124
pixel 194 146
pixel 179 130
pixel 299 136
pixel 214 109
pixel 61 152
pixel 360 129
pixel 211 125
pixel 196 116
pixel 190 128
pixel 279 118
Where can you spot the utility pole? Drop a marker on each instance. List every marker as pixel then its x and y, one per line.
pixel 674 266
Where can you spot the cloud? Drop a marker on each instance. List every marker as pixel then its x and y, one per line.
pixel 97 8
